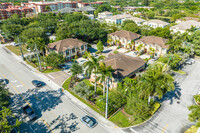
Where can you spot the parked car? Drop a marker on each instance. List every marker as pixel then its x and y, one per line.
pixel 30 112
pixel 37 83
pixel 14 44
pixel 63 66
pixel 89 121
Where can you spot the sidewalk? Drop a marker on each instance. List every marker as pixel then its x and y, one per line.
pixel 111 127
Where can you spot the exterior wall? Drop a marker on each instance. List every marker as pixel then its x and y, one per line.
pixel 158 50
pixel 70 53
pixel 103 16
pixel 154 25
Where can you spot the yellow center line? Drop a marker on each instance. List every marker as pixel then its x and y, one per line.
pixel 29 104
pixel 164 128
pixel 60 76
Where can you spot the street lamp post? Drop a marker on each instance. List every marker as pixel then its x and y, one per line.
pixel 38 57
pixel 20 48
pixel 106 115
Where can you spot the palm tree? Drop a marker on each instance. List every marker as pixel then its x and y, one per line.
pixel 195 114
pixel 105 72
pixel 92 66
pixel 156 81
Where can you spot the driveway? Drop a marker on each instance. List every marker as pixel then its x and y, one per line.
pixel 172 117
pixel 58 77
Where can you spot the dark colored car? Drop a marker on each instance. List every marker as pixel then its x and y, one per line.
pixel 89 121
pixel 37 83
pixel 30 112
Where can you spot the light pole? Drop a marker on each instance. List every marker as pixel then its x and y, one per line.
pixel 106 115
pixel 38 57
pixel 20 48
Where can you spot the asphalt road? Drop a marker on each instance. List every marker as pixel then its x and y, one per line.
pixel 173 115
pixel 52 108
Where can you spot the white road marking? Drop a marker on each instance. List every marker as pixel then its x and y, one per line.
pixel 13 81
pixel 19 86
pixel 32 129
pixel 51 76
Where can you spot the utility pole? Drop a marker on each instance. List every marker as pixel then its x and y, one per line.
pixel 20 48
pixel 106 115
pixel 38 57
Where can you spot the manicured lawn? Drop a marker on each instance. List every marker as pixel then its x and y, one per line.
pixel 16 49
pixel 120 119
pixel 66 84
pixel 50 71
pixel 87 82
pixel 192 129
pixel 181 72
pixel 123 120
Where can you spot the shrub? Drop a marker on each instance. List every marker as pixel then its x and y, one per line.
pixel 197 98
pixel 115 52
pixel 155 107
pixel 83 90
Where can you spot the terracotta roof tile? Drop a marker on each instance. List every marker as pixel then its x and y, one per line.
pixel 126 34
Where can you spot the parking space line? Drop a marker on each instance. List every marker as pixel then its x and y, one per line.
pixel 28 104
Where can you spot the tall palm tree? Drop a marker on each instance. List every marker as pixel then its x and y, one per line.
pixel 156 81
pixel 105 72
pixel 92 66
pixel 195 114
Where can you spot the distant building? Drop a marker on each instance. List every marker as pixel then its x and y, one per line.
pixel 90 16
pixel 123 38
pixel 105 14
pixel 83 4
pixel 147 43
pixel 69 47
pixel 186 19
pixel 8 12
pixel 132 8
pixel 117 19
pixel 184 26
pixel 154 23
pixel 5 5
pixel 39 7
pixel 137 20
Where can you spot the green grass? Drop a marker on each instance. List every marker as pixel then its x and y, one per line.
pixel 87 82
pixel 16 49
pixel 66 85
pixel 120 119
pixel 192 129
pixel 180 71
pixel 31 64
pixel 50 71
pixel 156 106
pixel 123 120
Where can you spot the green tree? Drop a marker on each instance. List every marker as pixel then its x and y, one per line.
pixel 195 114
pixel 100 47
pixel 5 127
pixel 54 59
pixel 48 8
pixel 150 14
pixel 146 2
pixel 105 73
pixel 11 30
pixel 4 95
pixel 131 27
pixel 156 81
pixel 92 66
pixel 76 69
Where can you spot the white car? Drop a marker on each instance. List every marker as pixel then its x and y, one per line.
pixel 14 44
pixel 190 61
